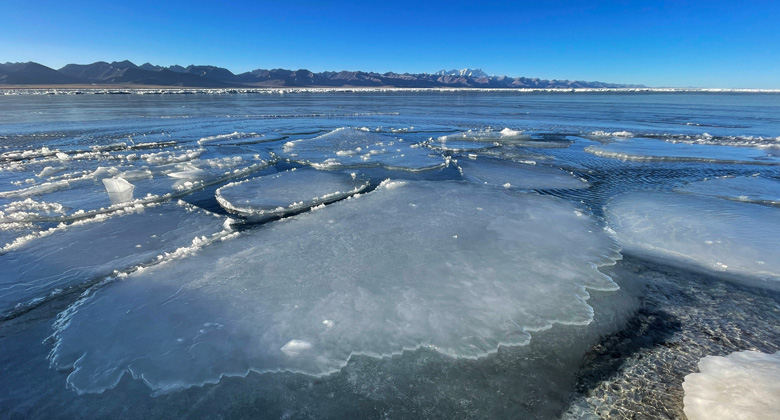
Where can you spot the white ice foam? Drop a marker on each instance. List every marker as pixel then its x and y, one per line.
pixel 741 386
pixel 455 267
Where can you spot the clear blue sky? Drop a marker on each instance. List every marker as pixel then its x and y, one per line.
pixel 656 43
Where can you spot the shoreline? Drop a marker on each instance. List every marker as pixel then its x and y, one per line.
pixel 132 88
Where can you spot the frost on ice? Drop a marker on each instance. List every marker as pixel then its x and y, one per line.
pixel 456 267
pixel 287 192
pixel 517 175
pixel 89 250
pixel 741 386
pixel 739 239
pixel 351 147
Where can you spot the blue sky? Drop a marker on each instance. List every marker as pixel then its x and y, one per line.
pixel 656 43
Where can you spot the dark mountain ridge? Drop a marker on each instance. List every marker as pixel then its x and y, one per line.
pixel 127 73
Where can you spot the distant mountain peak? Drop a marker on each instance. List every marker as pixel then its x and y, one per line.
pixel 127 73
pixel 474 73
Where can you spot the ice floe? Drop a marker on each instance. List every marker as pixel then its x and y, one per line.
pixel 720 236
pixel 287 192
pixel 752 189
pixel 352 147
pixel 644 149
pixel 456 267
pixel 741 386
pixel 84 252
pixel 517 175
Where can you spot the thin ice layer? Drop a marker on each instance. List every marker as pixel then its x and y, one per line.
pixel 351 147
pixel 517 175
pixel 741 386
pixel 85 252
pixel 456 267
pixel 717 235
pixel 642 149
pixel 286 192
pixel 741 188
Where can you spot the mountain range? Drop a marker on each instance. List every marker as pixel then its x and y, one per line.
pixel 128 73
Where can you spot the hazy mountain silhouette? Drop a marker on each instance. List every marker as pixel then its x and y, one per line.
pixel 127 73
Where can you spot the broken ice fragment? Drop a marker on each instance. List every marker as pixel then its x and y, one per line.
pixel 295 347
pixel 119 190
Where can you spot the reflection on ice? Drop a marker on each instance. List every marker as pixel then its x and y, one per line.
pixel 517 175
pixel 739 239
pixel 287 192
pixel 456 267
pixel 351 147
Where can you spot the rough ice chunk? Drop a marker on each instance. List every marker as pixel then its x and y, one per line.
pixel 119 190
pixel 85 252
pixel 287 192
pixel 643 149
pixel 739 239
pixel 350 147
pixel 452 266
pixel 741 386
pixel 517 175
pixel 751 189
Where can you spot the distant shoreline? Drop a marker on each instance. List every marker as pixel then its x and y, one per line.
pixel 139 88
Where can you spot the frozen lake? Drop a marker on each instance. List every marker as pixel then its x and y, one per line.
pixel 382 254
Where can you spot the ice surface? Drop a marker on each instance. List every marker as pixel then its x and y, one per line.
pixel 738 239
pixel 752 189
pixel 83 193
pixel 352 147
pixel 643 149
pixel 119 190
pixel 741 386
pixel 517 175
pixel 87 251
pixel 456 267
pixel 287 192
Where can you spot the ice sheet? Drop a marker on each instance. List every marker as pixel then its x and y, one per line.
pixel 517 175
pixel 287 192
pixel 741 386
pixel 737 239
pixel 456 267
